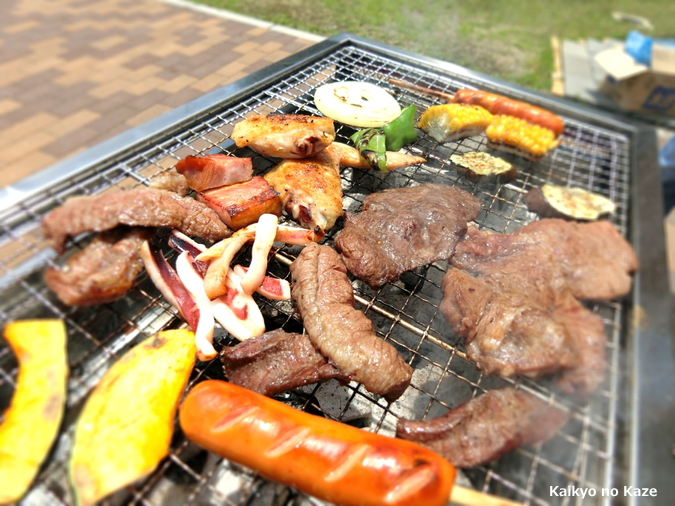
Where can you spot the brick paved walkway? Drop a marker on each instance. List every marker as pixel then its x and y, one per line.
pixel 74 73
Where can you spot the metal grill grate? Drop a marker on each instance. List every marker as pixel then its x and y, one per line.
pixel 404 312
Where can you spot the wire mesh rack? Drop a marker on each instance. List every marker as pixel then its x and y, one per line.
pixel 404 312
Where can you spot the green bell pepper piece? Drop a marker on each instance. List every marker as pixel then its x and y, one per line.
pixel 401 131
pixel 371 143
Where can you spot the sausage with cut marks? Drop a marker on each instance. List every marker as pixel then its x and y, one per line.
pixel 500 105
pixel 323 458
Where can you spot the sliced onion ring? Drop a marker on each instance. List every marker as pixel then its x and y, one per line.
pixel 357 103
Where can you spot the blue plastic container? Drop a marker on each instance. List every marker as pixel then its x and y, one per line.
pixel 639 46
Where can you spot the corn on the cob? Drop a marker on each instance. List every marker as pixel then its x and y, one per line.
pixel 517 136
pixel 449 122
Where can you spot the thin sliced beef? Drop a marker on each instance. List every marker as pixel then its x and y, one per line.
pixel 596 260
pixel 325 301
pixel 103 271
pixel 527 319
pixel 505 332
pixel 401 229
pixel 146 207
pixel 171 181
pixel 277 361
pixel 486 427
pixel 586 331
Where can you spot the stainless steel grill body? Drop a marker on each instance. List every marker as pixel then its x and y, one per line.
pixel 622 437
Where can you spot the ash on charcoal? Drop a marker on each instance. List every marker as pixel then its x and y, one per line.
pixel 341 403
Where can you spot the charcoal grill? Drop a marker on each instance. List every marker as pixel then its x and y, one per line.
pixel 623 436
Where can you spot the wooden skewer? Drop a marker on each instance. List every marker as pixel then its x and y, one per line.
pixel 421 89
pixel 462 496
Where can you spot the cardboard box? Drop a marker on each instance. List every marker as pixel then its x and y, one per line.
pixel 636 87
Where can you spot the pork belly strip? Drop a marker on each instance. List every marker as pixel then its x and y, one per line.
pixel 277 361
pixel 211 171
pixel 486 427
pixel 103 271
pixel 241 204
pixel 596 260
pixel 404 228
pixel 325 301
pixel 147 207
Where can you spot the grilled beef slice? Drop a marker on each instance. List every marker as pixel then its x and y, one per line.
pixel 146 207
pixel 505 332
pixel 277 361
pixel 586 331
pixel 171 181
pixel 486 427
pixel 103 271
pixel 325 301
pixel 596 260
pixel 514 299
pixel 404 228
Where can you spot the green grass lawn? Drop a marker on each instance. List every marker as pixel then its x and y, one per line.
pixel 506 39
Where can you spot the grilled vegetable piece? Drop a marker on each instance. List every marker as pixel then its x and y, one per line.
pixel 32 420
pixel 241 204
pixel 284 135
pixel 126 426
pixel 477 165
pixel 350 157
pixel 517 136
pixel 372 145
pixel 551 201
pixel 449 122
pixel 375 144
pixel 321 457
pixel 401 131
pixel 357 103
pixel 211 171
pixel 504 106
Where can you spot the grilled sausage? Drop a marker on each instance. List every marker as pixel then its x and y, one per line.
pixel 500 105
pixel 321 457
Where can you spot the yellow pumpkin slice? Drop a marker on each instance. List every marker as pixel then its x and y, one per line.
pixel 34 416
pixel 126 426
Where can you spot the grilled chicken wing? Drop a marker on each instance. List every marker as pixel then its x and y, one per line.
pixel 284 135
pixel 310 189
